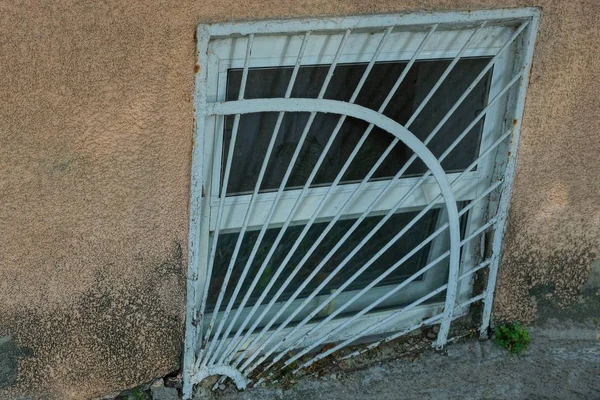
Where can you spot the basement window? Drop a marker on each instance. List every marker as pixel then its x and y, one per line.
pixel 271 66
pixel 351 169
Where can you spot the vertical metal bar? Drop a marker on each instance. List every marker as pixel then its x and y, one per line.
pixel 223 195
pixel 390 95
pixel 280 191
pixel 196 206
pixel 506 190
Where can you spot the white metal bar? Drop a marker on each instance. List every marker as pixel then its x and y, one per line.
pixel 361 334
pixel 261 175
pixel 396 265
pixel 509 174
pixel 305 320
pixel 428 321
pixel 448 19
pixel 473 84
pixel 196 207
pixel 443 77
pixel 373 305
pixel 279 193
pixel 378 226
pixel 490 64
pixel 379 21
pixel 340 212
pixel 232 348
pixel 226 174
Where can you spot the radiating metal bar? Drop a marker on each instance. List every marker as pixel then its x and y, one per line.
pixel 505 194
pixel 279 192
pixel 374 304
pixel 467 91
pixel 506 191
pixel 378 226
pixel 479 77
pixel 232 348
pixel 340 213
pixel 450 148
pixel 318 289
pixel 222 202
pixel 261 174
pixel 361 334
pixel 396 265
pixel 428 321
pixel 443 77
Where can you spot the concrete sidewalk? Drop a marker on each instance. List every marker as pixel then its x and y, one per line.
pixel 562 363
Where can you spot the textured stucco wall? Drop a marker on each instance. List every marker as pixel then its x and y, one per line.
pixel 95 140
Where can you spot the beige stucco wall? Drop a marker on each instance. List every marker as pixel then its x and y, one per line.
pixel 95 140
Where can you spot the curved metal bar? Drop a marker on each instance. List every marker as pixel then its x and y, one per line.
pixel 383 122
pixel 223 370
pixel 339 213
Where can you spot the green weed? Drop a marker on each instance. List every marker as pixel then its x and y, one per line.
pixel 512 336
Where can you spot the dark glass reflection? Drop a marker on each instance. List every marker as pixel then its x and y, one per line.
pixel 256 129
pixel 412 238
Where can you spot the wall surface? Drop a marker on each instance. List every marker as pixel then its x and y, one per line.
pixel 95 150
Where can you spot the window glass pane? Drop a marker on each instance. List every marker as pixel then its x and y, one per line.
pixel 413 237
pixel 256 129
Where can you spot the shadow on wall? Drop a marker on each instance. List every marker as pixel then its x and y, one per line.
pixel 9 360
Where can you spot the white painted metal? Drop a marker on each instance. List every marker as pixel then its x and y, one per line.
pixel 231 351
pixel 249 210
pixel 509 173
pixel 234 349
pixel 213 250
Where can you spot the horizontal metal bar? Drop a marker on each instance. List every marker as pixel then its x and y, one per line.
pixel 370 21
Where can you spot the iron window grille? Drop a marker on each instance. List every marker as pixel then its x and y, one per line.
pixel 345 173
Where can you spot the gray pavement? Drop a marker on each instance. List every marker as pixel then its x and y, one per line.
pixel 563 362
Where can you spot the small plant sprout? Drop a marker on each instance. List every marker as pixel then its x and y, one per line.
pixel 512 336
